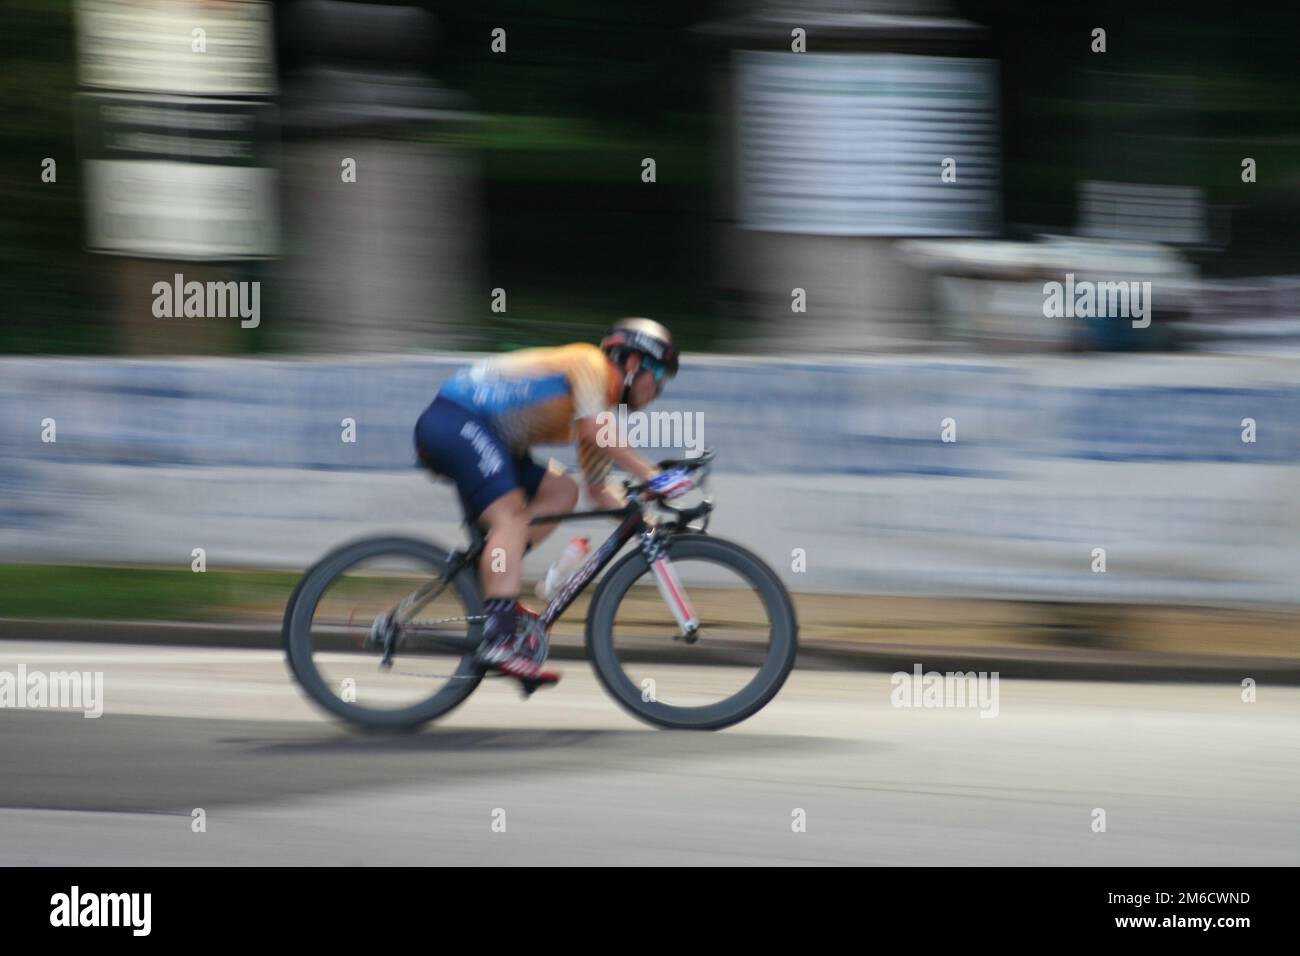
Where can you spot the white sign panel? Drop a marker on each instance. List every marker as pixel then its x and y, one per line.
pixel 177 46
pixel 854 144
pixel 188 209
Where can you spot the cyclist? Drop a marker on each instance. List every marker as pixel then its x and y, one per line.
pixel 482 423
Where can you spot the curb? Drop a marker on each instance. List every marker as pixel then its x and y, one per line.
pixel 1011 662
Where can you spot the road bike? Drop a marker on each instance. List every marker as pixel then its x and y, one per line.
pixel 686 631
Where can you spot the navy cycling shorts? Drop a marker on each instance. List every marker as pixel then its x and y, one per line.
pixel 457 443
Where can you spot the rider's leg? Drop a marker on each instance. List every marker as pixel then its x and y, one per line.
pixel 541 491
pixel 500 570
pixel 493 487
pixel 501 566
pixel 558 494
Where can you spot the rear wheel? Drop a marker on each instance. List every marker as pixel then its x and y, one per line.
pixel 337 623
pixel 744 649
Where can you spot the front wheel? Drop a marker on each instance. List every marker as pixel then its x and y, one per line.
pixel 703 678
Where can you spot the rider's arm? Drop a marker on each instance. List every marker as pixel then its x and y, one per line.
pixel 624 458
pixel 598 449
pixel 603 496
pixel 598 457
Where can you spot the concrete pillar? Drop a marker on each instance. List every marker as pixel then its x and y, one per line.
pixel 830 155
pixel 386 262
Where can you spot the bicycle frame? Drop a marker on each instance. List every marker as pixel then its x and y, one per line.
pixel 632 524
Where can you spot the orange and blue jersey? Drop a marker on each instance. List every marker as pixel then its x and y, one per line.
pixel 534 397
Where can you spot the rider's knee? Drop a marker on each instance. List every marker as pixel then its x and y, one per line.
pixel 566 493
pixel 506 514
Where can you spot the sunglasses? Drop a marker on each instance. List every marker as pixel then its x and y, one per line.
pixel 657 369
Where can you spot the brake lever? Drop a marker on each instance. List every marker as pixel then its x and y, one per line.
pixel 682 517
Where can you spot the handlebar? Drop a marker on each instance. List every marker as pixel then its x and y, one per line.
pixel 703 462
pixel 682 516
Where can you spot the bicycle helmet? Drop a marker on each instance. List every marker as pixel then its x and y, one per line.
pixel 644 337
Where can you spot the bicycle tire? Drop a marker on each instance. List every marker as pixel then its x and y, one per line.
pixel 296 634
pixel 740 706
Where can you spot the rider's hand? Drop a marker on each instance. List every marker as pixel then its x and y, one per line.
pixel 671 484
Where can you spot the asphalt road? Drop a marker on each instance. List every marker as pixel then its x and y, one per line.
pixel 1186 774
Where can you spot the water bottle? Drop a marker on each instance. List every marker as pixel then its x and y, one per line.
pixel 574 554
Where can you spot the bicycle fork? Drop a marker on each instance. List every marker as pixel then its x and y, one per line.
pixel 670 588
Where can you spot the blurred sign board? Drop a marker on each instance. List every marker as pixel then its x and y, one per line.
pixel 149 46
pixel 176 128
pixel 852 144
pixel 1142 456
pixel 1142 211
pixel 184 177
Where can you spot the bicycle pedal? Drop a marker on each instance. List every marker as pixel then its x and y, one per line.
pixel 544 679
